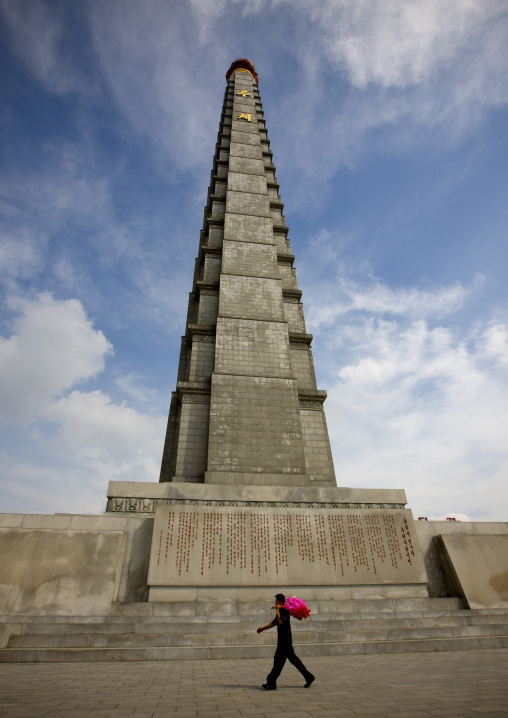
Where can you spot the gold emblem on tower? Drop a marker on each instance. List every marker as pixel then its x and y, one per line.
pixel 243 93
pixel 245 116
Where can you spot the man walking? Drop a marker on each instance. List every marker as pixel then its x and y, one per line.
pixel 285 649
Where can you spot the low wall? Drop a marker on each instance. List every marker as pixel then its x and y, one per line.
pixel 72 564
pixel 428 531
pixel 477 568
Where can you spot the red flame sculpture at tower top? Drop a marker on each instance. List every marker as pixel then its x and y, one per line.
pixel 243 64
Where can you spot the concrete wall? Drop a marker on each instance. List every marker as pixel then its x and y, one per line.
pixel 72 564
pixel 78 564
pixel 233 546
pixel 476 566
pixel 428 531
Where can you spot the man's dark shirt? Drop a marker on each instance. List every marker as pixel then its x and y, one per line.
pixel 284 637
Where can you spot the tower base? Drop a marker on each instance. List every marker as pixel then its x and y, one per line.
pixel 209 535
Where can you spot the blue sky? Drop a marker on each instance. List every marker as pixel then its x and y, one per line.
pixel 388 122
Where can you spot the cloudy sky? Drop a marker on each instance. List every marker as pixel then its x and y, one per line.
pixel 388 122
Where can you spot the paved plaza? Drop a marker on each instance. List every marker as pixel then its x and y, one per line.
pixel 461 683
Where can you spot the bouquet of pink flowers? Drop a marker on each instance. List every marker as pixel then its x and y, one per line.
pixel 297 607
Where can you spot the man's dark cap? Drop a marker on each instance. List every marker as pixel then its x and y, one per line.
pixel 280 597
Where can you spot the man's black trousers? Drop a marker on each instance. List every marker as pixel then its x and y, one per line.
pixel 282 654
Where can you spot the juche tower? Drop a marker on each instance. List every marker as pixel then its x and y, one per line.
pixel 246 409
pixel 247 493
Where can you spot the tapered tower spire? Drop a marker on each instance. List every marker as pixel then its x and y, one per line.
pixel 246 409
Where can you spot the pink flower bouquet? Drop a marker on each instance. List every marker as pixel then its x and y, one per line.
pixel 297 607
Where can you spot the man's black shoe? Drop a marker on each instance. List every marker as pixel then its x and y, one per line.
pixel 309 681
pixel 271 688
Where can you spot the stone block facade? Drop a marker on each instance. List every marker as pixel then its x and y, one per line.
pixel 191 457
pixel 255 426
pixel 239 258
pixel 252 348
pixel 251 297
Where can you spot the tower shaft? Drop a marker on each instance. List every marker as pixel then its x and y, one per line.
pixel 246 409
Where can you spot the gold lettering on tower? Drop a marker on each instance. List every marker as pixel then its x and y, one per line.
pixel 245 116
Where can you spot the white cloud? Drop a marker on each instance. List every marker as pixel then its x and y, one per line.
pixel 170 60
pixel 403 42
pixel 37 36
pixel 348 295
pixel 21 256
pixel 82 442
pixel 110 440
pixel 493 344
pixel 383 75
pixel 60 190
pixel 134 386
pixel 77 441
pixel 67 195
pixel 206 13
pixel 53 348
pixel 417 389
pixel 421 408
pixel 380 299
pixel 414 68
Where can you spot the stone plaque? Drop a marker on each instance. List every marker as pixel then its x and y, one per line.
pixel 244 546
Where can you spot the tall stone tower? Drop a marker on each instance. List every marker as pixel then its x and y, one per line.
pixel 246 409
pixel 247 494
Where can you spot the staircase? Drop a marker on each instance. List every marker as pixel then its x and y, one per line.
pixel 162 631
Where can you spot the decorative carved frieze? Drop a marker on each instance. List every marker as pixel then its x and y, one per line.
pixel 147 506
pixel 140 506
pixel 298 345
pixel 291 300
pixel 305 404
pixel 209 292
pixel 208 338
pixel 196 398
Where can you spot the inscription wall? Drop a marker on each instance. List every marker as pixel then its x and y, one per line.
pixel 229 546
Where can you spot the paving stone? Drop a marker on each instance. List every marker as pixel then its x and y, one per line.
pixel 464 684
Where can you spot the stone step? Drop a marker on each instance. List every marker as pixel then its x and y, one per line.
pixel 206 619
pixel 259 608
pixel 440 622
pixel 323 619
pixel 249 638
pixel 59 655
pixel 135 627
pixel 141 632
